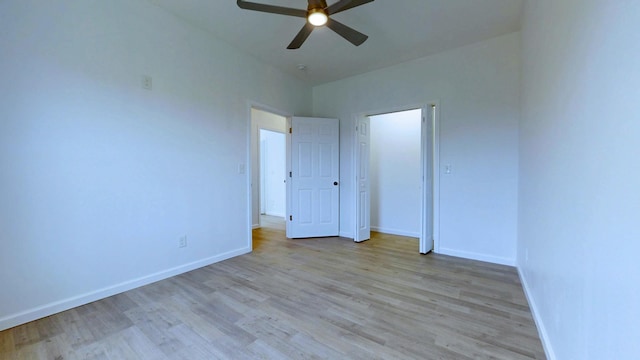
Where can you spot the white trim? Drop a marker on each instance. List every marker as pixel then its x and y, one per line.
pixel 255 226
pixel 248 172
pixel 477 256
pixel 436 176
pixel 66 304
pixel 542 331
pixel 346 234
pixel 395 109
pixel 395 232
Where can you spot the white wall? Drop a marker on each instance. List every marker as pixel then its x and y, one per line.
pixel 579 176
pixel 98 177
pixel 273 171
pixel 395 172
pixel 260 119
pixel 478 88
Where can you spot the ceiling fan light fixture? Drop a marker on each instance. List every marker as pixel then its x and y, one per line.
pixel 317 14
pixel 317 17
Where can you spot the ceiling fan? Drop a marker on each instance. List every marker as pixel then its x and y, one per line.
pixel 317 14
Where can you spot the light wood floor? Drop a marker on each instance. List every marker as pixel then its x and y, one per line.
pixel 302 299
pixel 272 222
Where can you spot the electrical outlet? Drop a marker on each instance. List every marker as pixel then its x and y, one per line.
pixel 182 241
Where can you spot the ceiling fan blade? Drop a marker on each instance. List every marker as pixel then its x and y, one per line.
pixel 301 37
pixel 351 35
pixel 272 9
pixel 343 5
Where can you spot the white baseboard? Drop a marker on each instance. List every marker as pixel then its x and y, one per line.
pixel 395 232
pixel 542 331
pixel 477 256
pixel 255 226
pixel 66 304
pixel 346 234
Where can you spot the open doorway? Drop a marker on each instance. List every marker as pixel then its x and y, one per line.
pixel 272 173
pixel 395 173
pixel 428 177
pixel 267 169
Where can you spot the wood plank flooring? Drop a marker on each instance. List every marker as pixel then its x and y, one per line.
pixel 324 298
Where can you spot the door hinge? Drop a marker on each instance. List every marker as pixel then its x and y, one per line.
pixel 290 217
pixel 290 130
pixel 290 174
pixel 424 119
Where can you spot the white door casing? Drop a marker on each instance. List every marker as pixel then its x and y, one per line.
pixel 427 161
pixel 434 111
pixel 362 186
pixel 314 191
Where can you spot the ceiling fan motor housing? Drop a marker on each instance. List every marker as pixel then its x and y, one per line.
pixel 317 4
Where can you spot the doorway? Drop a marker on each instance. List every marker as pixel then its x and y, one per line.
pixel 272 173
pixel 428 175
pixel 272 127
pixel 396 183
pixel 312 174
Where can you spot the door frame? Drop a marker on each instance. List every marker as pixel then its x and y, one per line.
pixel 248 161
pixel 430 112
pixel 434 108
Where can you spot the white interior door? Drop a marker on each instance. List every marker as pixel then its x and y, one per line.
pixel 314 178
pixel 363 191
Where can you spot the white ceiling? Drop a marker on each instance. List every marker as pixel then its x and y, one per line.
pixel 398 30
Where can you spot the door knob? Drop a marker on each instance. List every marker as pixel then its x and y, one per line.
pixel 335 183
